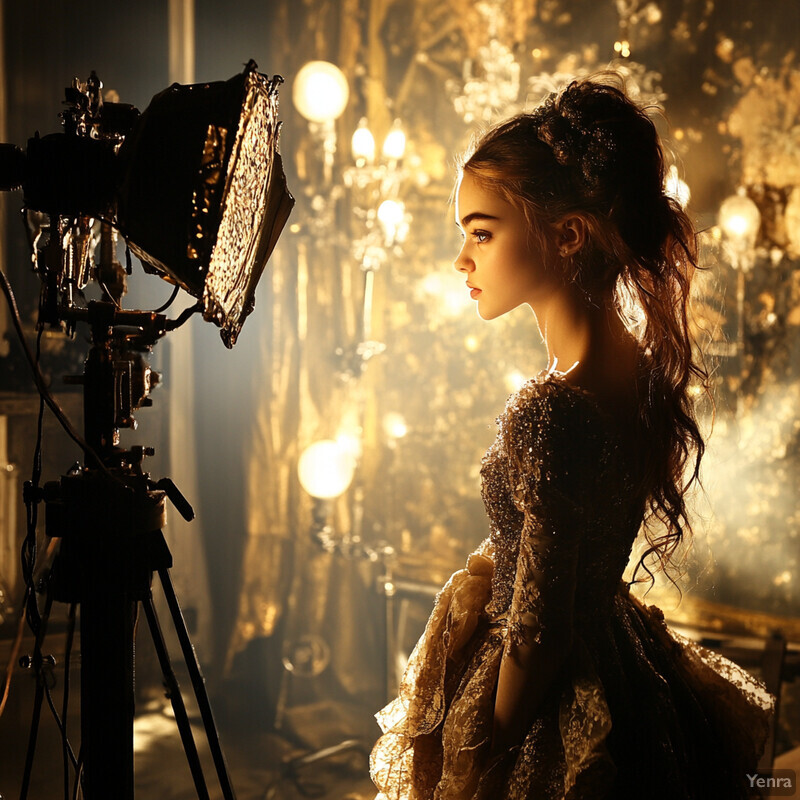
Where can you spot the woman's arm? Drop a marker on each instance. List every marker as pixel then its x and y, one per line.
pixel 543 469
pixel 527 671
pixel 540 628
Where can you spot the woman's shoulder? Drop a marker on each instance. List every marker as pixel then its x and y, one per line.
pixel 552 412
pixel 550 397
pixel 545 416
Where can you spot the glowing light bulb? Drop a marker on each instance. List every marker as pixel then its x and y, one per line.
pixel 362 145
pixel 320 91
pixel 394 145
pixel 677 188
pixel 740 219
pixel 393 222
pixel 391 212
pixel 391 216
pixel 326 469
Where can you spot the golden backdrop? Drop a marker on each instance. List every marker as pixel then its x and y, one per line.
pixel 729 86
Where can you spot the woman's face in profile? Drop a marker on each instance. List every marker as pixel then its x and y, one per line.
pixel 501 264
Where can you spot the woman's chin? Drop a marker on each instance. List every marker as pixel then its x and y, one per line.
pixel 487 313
pixel 484 311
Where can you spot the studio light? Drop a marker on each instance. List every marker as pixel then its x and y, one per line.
pixel 212 225
pixel 195 184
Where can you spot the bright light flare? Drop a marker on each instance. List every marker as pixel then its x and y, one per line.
pixel 326 469
pixel 676 188
pixel 320 91
pixel 740 219
pixel 515 380
pixel 394 145
pixel 392 219
pixel 362 145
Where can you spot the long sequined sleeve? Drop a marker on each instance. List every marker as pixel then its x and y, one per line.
pixel 547 447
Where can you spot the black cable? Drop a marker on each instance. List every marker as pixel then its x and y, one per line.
pixel 31 498
pixel 76 787
pixel 170 301
pixel 42 667
pixel 36 662
pixel 68 755
pixel 108 294
pixel 43 389
pixel 59 723
pixel 37 710
pixel 184 317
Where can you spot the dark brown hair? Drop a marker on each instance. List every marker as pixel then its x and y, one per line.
pixel 591 151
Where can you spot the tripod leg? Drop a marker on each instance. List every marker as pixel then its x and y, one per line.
pixel 181 717
pixel 198 682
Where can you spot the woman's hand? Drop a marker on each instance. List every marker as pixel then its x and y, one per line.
pixel 527 672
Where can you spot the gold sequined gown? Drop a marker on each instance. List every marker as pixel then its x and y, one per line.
pixel 636 712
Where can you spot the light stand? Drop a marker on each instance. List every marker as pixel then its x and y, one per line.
pixel 205 157
pixel 108 520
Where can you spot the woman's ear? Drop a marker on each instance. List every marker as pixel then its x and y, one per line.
pixel 571 234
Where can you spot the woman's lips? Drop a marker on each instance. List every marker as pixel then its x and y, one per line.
pixel 474 293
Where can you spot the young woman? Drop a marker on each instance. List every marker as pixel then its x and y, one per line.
pixel 538 675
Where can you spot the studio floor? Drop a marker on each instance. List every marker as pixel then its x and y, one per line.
pixel 259 767
pixel 262 764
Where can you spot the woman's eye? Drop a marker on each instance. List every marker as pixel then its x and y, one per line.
pixel 481 236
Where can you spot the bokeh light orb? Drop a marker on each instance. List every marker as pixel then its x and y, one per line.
pixel 320 91
pixel 677 188
pixel 326 469
pixel 394 145
pixel 362 144
pixel 391 213
pixel 739 218
pixel 394 425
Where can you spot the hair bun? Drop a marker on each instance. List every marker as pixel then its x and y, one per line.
pixel 569 125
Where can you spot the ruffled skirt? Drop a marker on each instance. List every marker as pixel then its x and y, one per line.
pixel 637 711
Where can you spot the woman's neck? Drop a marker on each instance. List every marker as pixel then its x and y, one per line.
pixel 567 328
pixel 588 341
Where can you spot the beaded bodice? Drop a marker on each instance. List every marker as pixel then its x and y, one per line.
pixel 557 480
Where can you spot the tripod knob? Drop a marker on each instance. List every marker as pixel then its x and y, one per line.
pixel 178 500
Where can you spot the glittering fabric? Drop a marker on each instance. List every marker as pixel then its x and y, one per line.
pixel 636 711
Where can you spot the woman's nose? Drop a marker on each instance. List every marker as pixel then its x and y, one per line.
pixel 462 262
